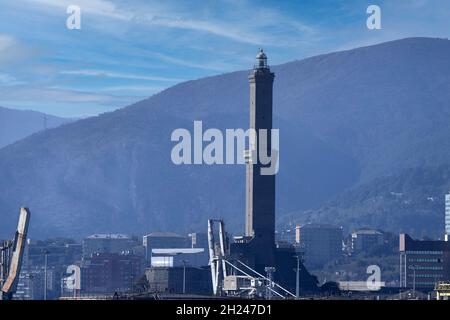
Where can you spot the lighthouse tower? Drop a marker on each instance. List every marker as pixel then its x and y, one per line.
pixel 257 248
pixel 260 189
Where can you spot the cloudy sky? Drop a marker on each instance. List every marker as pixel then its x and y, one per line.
pixel 129 50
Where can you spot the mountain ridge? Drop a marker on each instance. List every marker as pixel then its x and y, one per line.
pixel 345 119
pixel 17 124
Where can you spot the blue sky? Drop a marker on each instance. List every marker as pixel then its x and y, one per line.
pixel 129 50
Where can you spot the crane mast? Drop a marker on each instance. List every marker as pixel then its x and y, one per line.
pixel 11 254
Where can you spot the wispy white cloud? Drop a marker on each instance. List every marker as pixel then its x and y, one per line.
pixel 8 80
pixel 12 51
pixel 117 90
pixel 42 95
pixel 118 75
pixel 134 88
pixel 226 31
pixel 205 65
pixel 139 47
pixel 243 21
pixel 246 22
pixel 6 42
pixel 97 7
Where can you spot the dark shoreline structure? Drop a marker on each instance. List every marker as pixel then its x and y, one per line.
pixel 257 248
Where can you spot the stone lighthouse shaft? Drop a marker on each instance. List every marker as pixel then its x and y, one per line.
pixel 260 189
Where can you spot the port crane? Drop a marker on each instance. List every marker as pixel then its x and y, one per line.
pixel 11 254
pixel 232 277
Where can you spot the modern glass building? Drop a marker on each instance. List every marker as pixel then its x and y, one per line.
pixel 447 216
pixel 423 263
pixel 321 243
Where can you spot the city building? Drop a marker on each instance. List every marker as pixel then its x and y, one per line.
pixel 365 239
pixel 423 263
pixel 184 279
pixel 442 291
pixel 164 240
pixel 175 257
pixel 108 243
pixel 32 284
pixel 110 272
pixel 321 243
pixel 59 252
pixel 447 216
pixel 199 240
pixel 43 266
pixel 285 235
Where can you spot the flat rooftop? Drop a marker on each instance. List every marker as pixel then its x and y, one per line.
pixel 109 236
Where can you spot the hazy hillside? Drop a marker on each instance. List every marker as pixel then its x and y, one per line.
pixel 18 124
pixel 345 119
pixel 411 201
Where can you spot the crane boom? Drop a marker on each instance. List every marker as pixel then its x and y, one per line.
pixel 17 248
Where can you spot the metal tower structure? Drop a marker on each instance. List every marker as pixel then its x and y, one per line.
pixel 231 277
pixel 11 254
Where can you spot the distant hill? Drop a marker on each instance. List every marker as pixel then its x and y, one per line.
pixel 352 125
pixel 18 124
pixel 411 201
